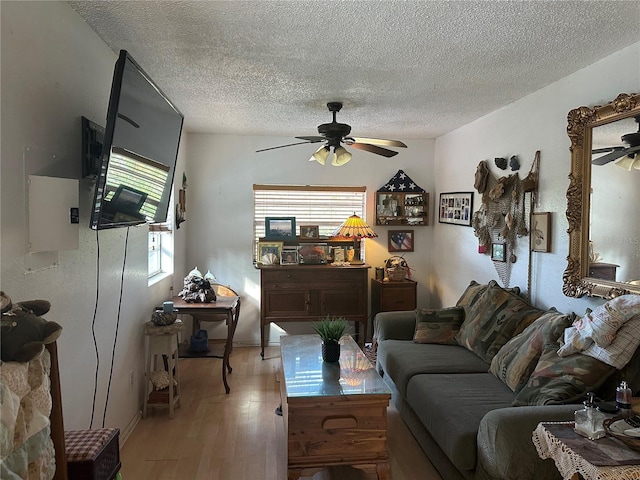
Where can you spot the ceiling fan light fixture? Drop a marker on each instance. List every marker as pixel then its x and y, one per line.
pixel 341 156
pixel 629 162
pixel 320 155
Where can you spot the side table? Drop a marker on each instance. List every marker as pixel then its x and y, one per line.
pixel 387 296
pixel 577 457
pixel 162 341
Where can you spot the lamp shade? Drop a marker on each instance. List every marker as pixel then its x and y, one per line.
pixel 341 156
pixel 354 228
pixel 320 155
pixel 628 162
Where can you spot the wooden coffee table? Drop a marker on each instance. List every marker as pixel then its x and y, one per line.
pixel 335 414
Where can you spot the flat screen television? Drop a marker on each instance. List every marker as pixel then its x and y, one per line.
pixel 139 151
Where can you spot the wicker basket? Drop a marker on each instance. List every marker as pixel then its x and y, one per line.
pixel 631 442
pixel 396 274
pixel 397 269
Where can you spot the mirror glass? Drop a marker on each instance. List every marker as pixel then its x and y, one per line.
pixel 603 200
pixel 614 228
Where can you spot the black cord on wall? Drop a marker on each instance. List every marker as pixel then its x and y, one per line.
pixel 115 338
pixel 93 329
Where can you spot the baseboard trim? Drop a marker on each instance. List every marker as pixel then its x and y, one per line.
pixel 128 430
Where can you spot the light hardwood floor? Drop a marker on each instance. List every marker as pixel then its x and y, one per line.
pixel 216 436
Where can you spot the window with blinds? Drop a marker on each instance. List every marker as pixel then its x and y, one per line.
pixel 325 206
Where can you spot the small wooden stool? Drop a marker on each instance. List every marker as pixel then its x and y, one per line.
pixel 163 342
pixel 93 454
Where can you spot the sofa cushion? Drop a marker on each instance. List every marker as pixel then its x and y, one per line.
pixel 401 360
pixel 495 316
pixel 438 326
pixel 451 407
pixel 515 361
pixel 474 290
pixel 557 380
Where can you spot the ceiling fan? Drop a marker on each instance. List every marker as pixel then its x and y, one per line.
pixel 334 134
pixel 626 155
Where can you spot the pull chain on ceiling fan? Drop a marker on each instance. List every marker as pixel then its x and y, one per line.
pixel 334 134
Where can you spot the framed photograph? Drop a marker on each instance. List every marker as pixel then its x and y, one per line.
pixel 289 256
pixel 499 252
pixel 338 254
pixel 269 253
pixel 280 227
pixel 541 232
pixel 309 232
pixel 400 241
pixel 456 208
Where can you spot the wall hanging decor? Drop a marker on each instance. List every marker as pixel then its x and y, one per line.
pixel 456 208
pixel 504 214
pixel 402 202
pixel 400 241
pixel 541 232
pixel 181 206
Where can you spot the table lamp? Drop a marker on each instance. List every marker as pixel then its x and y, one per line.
pixel 354 228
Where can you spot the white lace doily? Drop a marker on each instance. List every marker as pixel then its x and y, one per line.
pixel 569 463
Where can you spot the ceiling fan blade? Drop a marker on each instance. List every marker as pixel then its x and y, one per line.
pixel 374 149
pixel 610 157
pixel 313 139
pixel 607 149
pixel 281 146
pixel 377 141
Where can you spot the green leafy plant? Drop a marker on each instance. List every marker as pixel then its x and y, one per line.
pixel 330 328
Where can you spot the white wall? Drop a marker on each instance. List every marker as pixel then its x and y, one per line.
pixel 536 122
pixel 55 69
pixel 222 171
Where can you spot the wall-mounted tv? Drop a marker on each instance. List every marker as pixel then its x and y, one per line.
pixel 139 152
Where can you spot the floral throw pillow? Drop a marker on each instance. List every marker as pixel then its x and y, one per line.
pixel 438 326
pixel 492 319
pixel 516 360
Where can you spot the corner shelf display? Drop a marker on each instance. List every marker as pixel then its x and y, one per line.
pixel 401 202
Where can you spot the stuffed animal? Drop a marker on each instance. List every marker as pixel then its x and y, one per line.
pixel 24 331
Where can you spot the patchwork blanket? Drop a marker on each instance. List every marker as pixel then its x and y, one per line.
pixel 26 448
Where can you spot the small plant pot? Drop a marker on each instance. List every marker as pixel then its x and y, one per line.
pixel 330 351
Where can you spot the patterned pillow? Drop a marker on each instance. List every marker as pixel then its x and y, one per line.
pixel 624 345
pixel 515 361
pixel 557 380
pixel 495 316
pixel 474 290
pixel 438 326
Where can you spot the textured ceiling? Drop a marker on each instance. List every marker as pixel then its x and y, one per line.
pixel 404 69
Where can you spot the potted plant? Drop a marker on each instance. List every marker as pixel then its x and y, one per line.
pixel 330 331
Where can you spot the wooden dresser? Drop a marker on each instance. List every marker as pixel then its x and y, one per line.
pixel 303 293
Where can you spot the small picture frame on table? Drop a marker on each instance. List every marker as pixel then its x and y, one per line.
pixel 541 232
pixel 400 241
pixel 499 252
pixel 289 256
pixel 280 228
pixel 269 253
pixel 309 232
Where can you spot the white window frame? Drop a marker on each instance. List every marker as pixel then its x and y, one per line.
pixel 160 239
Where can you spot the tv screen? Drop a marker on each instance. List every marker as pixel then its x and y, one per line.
pixel 139 152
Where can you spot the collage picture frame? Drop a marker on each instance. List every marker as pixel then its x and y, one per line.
pixel 456 208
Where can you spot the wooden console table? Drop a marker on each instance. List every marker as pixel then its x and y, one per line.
pixel 223 309
pixel 303 293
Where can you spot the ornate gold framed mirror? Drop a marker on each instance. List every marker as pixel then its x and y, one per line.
pixel 603 200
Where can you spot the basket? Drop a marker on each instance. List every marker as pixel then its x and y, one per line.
pixel 631 442
pixel 396 274
pixel 397 269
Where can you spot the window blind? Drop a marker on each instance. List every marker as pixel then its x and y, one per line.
pixel 325 206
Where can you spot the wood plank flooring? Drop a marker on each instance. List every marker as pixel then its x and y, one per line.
pixel 215 436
